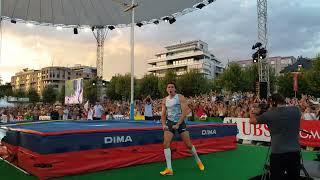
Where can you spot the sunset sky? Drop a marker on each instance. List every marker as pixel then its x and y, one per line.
pixel 229 27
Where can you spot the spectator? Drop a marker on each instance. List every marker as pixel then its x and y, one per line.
pixel 98 111
pixel 148 115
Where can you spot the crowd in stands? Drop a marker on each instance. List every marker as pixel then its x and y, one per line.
pixel 202 107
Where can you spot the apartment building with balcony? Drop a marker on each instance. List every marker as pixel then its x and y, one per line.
pixel 183 57
pixel 53 75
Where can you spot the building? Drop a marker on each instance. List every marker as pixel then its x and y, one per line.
pixel 278 63
pixel 301 63
pixel 184 57
pixel 27 79
pixel 53 75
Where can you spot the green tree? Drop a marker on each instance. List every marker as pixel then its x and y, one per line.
pixel 6 90
pixel 285 85
pixel 49 94
pixel 20 93
pixel 33 95
pixel 250 76
pixel 312 78
pixel 231 79
pixel 170 76
pixel 61 94
pixel 90 90
pixel 148 85
pixel 123 86
pixel 120 87
pixel 193 83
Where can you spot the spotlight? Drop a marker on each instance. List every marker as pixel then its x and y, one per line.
pixel 156 22
pixel 200 6
pixel 139 24
pixel 257 45
pixel 59 28
pixel 172 20
pixel 29 24
pixel 13 21
pixel 166 19
pixel 111 27
pixel 75 30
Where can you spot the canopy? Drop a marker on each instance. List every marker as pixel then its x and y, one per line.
pixel 76 13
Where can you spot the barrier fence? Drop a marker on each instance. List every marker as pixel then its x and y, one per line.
pixel 260 132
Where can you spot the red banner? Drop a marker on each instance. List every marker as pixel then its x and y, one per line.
pixel 295 82
pixel 312 139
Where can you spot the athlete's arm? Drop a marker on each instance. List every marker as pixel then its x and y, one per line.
pixel 164 113
pixel 184 109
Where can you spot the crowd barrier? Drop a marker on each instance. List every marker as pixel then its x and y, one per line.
pixel 260 132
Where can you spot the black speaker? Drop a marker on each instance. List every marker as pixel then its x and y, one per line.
pixel 263 90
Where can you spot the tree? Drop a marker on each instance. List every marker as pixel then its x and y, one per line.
pixel 231 79
pixel 170 76
pixel 148 85
pixel 111 88
pixel 250 76
pixel 312 78
pixel 33 95
pixel 193 83
pixel 90 90
pixel 20 93
pixel 123 86
pixel 285 85
pixel 61 94
pixel 120 87
pixel 6 90
pixel 49 94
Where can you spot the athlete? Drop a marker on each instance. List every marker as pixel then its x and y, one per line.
pixel 174 112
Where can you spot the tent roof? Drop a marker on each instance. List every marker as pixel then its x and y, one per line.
pixel 72 13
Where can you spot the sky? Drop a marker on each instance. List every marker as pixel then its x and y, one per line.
pixel 228 26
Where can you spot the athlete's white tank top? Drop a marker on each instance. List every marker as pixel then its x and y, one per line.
pixel 173 108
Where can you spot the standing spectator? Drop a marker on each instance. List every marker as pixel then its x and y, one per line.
pixel 90 112
pixel 65 113
pixel 35 114
pixel 98 111
pixel 148 115
pixel 54 114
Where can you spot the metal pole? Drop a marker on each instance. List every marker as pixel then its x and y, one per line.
pixel 132 62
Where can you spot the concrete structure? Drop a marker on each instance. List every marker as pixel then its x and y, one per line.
pixel 54 75
pixel 184 57
pixel 278 63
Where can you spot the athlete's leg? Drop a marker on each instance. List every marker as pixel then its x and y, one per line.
pixel 167 138
pixel 187 141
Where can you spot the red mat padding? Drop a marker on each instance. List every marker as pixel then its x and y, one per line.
pixel 62 164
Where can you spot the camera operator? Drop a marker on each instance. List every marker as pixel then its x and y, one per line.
pixel 284 124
